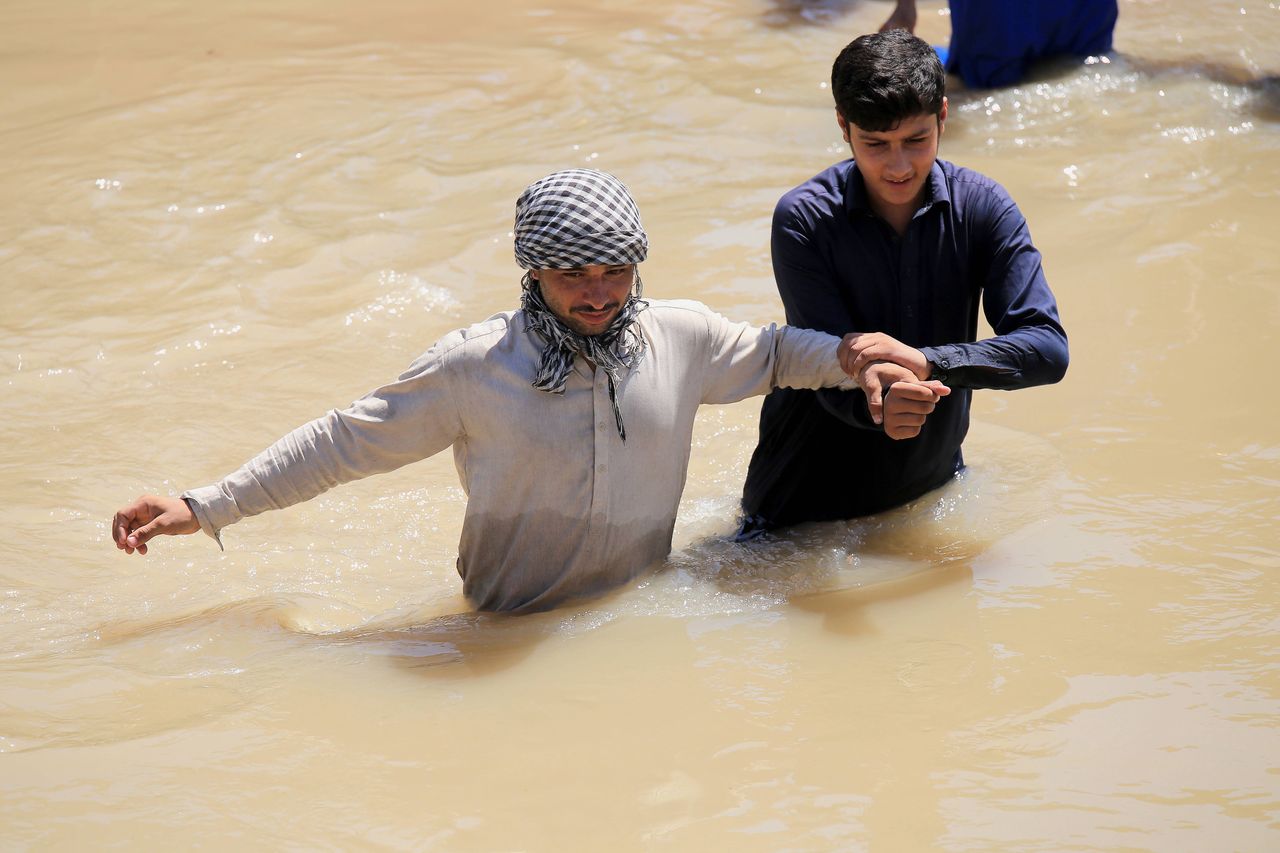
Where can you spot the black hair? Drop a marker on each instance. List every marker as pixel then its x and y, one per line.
pixel 880 79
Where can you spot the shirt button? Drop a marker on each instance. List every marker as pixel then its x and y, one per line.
pixel 602 426
pixel 600 469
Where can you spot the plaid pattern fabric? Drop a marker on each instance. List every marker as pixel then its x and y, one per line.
pixel 577 217
pixel 614 350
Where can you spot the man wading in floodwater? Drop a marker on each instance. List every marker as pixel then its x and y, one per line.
pixel 904 247
pixel 570 419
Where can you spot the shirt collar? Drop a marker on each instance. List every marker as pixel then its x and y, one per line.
pixel 856 202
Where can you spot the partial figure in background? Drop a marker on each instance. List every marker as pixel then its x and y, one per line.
pixel 570 418
pixel 995 42
pixel 902 249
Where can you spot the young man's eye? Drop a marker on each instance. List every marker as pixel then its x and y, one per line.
pixel 617 271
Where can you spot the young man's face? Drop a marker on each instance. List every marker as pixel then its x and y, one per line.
pixel 895 163
pixel 587 298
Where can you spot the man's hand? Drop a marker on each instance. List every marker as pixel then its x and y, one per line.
pixel 148 516
pixel 903 17
pixel 875 382
pixel 897 399
pixel 908 404
pixel 859 349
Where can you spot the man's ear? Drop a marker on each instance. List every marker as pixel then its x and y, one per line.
pixel 843 125
pixel 942 117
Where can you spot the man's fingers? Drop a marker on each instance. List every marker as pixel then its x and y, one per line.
pixel 879 381
pixel 852 351
pixel 119 530
pixel 897 410
pixel 136 538
pixel 865 356
pixel 908 405
pixel 916 391
pixel 875 403
pixel 845 353
pixel 140 536
pixel 909 419
pixel 125 523
pixel 868 349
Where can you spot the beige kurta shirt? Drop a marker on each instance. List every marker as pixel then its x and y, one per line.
pixel 558 506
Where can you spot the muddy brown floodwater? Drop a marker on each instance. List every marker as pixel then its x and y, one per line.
pixel 219 220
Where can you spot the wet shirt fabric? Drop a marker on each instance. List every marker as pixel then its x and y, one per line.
pixel 839 269
pixel 558 505
pixel 994 42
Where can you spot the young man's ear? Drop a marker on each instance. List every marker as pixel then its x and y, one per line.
pixel 844 125
pixel 942 116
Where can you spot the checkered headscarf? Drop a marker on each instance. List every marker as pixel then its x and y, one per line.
pixel 571 219
pixel 577 217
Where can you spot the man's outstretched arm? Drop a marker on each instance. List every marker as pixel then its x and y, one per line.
pixel 402 422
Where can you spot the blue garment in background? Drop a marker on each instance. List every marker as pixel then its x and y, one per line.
pixel 994 42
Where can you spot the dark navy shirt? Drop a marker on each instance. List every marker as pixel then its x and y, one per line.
pixel 840 268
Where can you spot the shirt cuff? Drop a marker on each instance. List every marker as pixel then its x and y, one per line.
pixel 944 359
pixel 213 509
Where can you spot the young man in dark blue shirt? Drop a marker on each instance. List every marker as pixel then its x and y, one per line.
pixel 904 248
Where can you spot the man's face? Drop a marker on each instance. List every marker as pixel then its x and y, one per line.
pixel 587 298
pixel 895 163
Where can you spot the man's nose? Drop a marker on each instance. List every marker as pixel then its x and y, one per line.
pixel 899 163
pixel 594 291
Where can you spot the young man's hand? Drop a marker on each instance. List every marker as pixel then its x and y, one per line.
pixel 908 404
pixel 148 516
pixel 897 399
pixel 859 349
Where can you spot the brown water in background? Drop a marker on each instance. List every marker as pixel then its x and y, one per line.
pixel 219 220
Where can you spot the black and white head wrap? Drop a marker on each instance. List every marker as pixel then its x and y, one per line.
pixel 572 219
pixel 577 217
